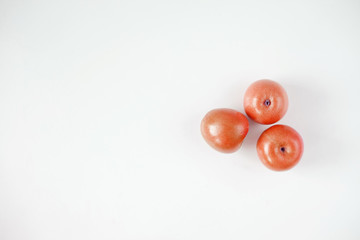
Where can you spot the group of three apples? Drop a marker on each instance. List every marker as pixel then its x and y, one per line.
pixel 279 147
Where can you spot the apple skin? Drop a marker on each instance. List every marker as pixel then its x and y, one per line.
pixel 265 101
pixel 224 129
pixel 280 147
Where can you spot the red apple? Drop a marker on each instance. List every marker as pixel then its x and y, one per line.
pixel 265 101
pixel 224 129
pixel 280 147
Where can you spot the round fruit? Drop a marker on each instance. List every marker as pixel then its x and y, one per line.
pixel 265 101
pixel 280 147
pixel 224 129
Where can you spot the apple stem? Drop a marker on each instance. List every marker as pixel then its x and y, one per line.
pixel 267 102
pixel 282 149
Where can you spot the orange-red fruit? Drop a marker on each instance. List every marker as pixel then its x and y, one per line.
pixel 280 147
pixel 224 129
pixel 265 101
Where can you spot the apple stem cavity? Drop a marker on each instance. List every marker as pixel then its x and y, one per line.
pixel 267 102
pixel 282 149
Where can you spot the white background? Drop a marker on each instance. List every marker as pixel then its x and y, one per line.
pixel 100 109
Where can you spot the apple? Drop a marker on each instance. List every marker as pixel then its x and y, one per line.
pixel 265 101
pixel 224 129
pixel 280 147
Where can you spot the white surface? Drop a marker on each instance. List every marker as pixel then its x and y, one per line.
pixel 101 104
